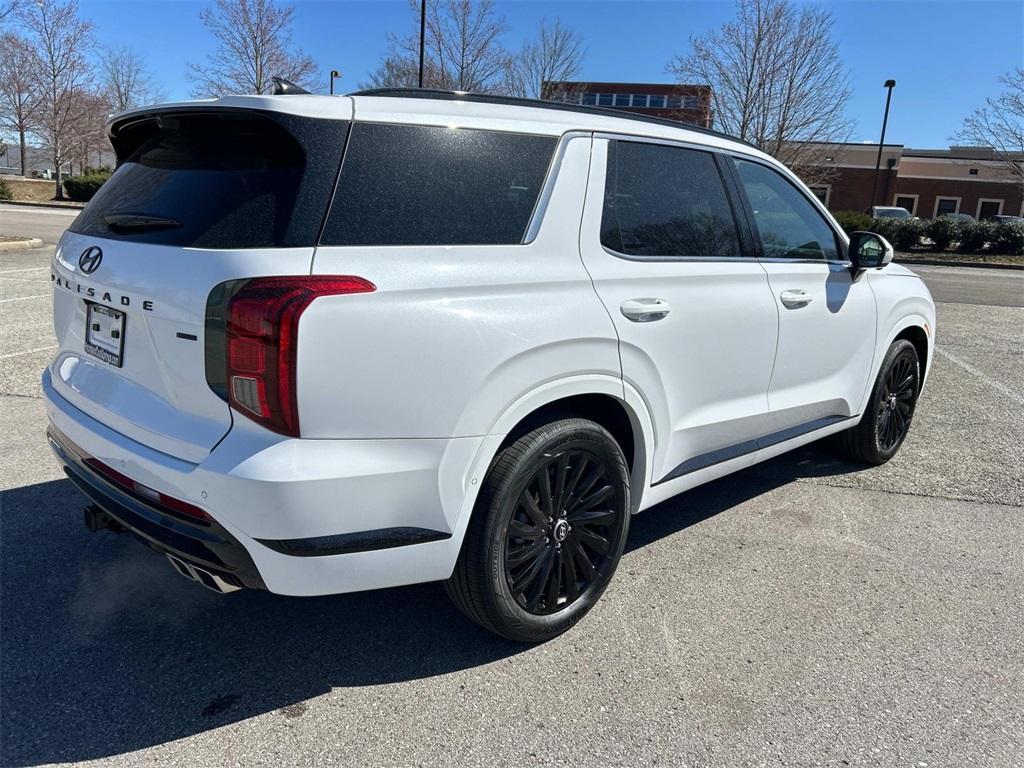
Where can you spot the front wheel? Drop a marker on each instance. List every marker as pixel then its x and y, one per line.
pixel 890 410
pixel 546 533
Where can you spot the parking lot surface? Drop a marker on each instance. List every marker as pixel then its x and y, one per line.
pixel 804 612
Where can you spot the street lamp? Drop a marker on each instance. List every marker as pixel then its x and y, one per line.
pixel 890 84
pixel 334 74
pixel 423 34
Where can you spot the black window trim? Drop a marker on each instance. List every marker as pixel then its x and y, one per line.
pixel 815 203
pixel 724 167
pixel 533 224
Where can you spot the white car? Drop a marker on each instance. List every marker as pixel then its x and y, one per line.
pixel 316 344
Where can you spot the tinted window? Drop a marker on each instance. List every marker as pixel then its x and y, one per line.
pixel 218 180
pixel 418 185
pixel 790 227
pixel 666 201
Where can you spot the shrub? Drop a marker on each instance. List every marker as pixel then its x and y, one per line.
pixel 853 221
pixel 82 188
pixel 942 231
pixel 904 234
pixel 1008 237
pixel 973 235
pixel 5 190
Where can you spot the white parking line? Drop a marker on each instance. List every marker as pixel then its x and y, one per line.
pixel 27 352
pixel 26 269
pixel 25 298
pixel 1016 397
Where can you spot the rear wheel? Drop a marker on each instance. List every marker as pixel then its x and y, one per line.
pixel 547 532
pixel 886 422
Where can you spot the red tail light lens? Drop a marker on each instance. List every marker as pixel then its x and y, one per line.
pixel 262 336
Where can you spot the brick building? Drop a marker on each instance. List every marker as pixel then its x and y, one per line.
pixel 686 103
pixel 927 182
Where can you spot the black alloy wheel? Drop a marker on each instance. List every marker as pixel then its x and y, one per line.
pixel 546 533
pixel 561 532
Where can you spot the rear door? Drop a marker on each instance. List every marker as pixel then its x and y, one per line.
pixel 827 318
pixel 198 198
pixel 697 325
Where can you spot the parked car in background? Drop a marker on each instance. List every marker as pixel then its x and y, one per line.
pixel 957 216
pixel 317 344
pixel 890 212
pixel 1005 217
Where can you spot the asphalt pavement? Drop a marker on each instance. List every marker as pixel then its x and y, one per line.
pixel 803 612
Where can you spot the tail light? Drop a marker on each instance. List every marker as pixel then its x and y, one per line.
pixel 261 326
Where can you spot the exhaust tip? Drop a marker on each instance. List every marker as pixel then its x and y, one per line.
pixel 202 576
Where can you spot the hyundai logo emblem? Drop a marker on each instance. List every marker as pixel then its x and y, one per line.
pixel 90 259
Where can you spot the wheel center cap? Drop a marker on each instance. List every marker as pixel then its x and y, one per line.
pixel 560 530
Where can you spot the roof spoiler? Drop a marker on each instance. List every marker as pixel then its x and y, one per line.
pixel 283 87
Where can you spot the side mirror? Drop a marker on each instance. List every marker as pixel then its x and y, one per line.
pixel 869 251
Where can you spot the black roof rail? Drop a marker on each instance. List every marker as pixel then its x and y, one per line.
pixel 486 98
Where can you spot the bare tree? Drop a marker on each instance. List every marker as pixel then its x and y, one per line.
pixel 1000 123
pixel 61 72
pixel 254 44
pixel 777 80
pixel 462 51
pixel 20 102
pixel 556 54
pixel 125 81
pixel 87 139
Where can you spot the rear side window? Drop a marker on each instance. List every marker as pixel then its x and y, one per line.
pixel 663 201
pixel 789 225
pixel 422 185
pixel 218 179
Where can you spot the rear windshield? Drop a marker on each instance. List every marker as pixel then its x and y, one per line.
pixel 218 180
pixel 423 185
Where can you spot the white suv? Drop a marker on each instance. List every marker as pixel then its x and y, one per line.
pixel 319 344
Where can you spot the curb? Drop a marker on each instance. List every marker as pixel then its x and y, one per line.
pixel 969 264
pixel 65 206
pixel 20 245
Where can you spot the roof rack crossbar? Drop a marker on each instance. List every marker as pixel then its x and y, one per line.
pixel 486 98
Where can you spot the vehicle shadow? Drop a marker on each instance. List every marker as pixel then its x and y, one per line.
pixel 105 650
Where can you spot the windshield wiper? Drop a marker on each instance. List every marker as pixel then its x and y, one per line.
pixel 133 222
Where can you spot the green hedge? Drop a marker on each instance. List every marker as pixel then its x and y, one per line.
pixel 1008 237
pixel 1004 237
pixel 82 188
pixel 853 221
pixel 5 190
pixel 942 231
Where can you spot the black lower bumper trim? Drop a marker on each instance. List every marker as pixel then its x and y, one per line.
pixel 360 541
pixel 208 546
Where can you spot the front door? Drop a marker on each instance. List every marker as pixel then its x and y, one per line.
pixel 696 322
pixel 827 317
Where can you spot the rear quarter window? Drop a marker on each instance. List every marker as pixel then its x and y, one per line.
pixel 424 185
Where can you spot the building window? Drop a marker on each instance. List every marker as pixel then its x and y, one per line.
pixel 657 102
pixel 821 191
pixel 946 205
pixel 621 99
pixel 691 102
pixel 907 202
pixel 639 99
pixel 605 99
pixel 590 99
pixel 987 208
pixel 674 102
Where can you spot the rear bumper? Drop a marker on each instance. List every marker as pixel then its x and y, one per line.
pixel 296 517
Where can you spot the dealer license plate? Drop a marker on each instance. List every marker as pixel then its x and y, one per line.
pixel 104 333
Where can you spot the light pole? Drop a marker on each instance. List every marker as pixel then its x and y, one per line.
pixel 423 34
pixel 890 84
pixel 334 74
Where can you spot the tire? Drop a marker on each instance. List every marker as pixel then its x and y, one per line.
pixel 511 535
pixel 890 410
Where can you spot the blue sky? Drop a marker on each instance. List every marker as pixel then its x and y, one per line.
pixel 945 56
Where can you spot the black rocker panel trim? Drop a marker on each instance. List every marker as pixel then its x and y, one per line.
pixel 360 541
pixel 705 460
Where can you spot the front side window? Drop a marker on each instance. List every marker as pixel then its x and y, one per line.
pixel 663 201
pixel 789 226
pixel 426 185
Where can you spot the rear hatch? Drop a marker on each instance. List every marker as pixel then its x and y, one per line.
pixel 202 195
